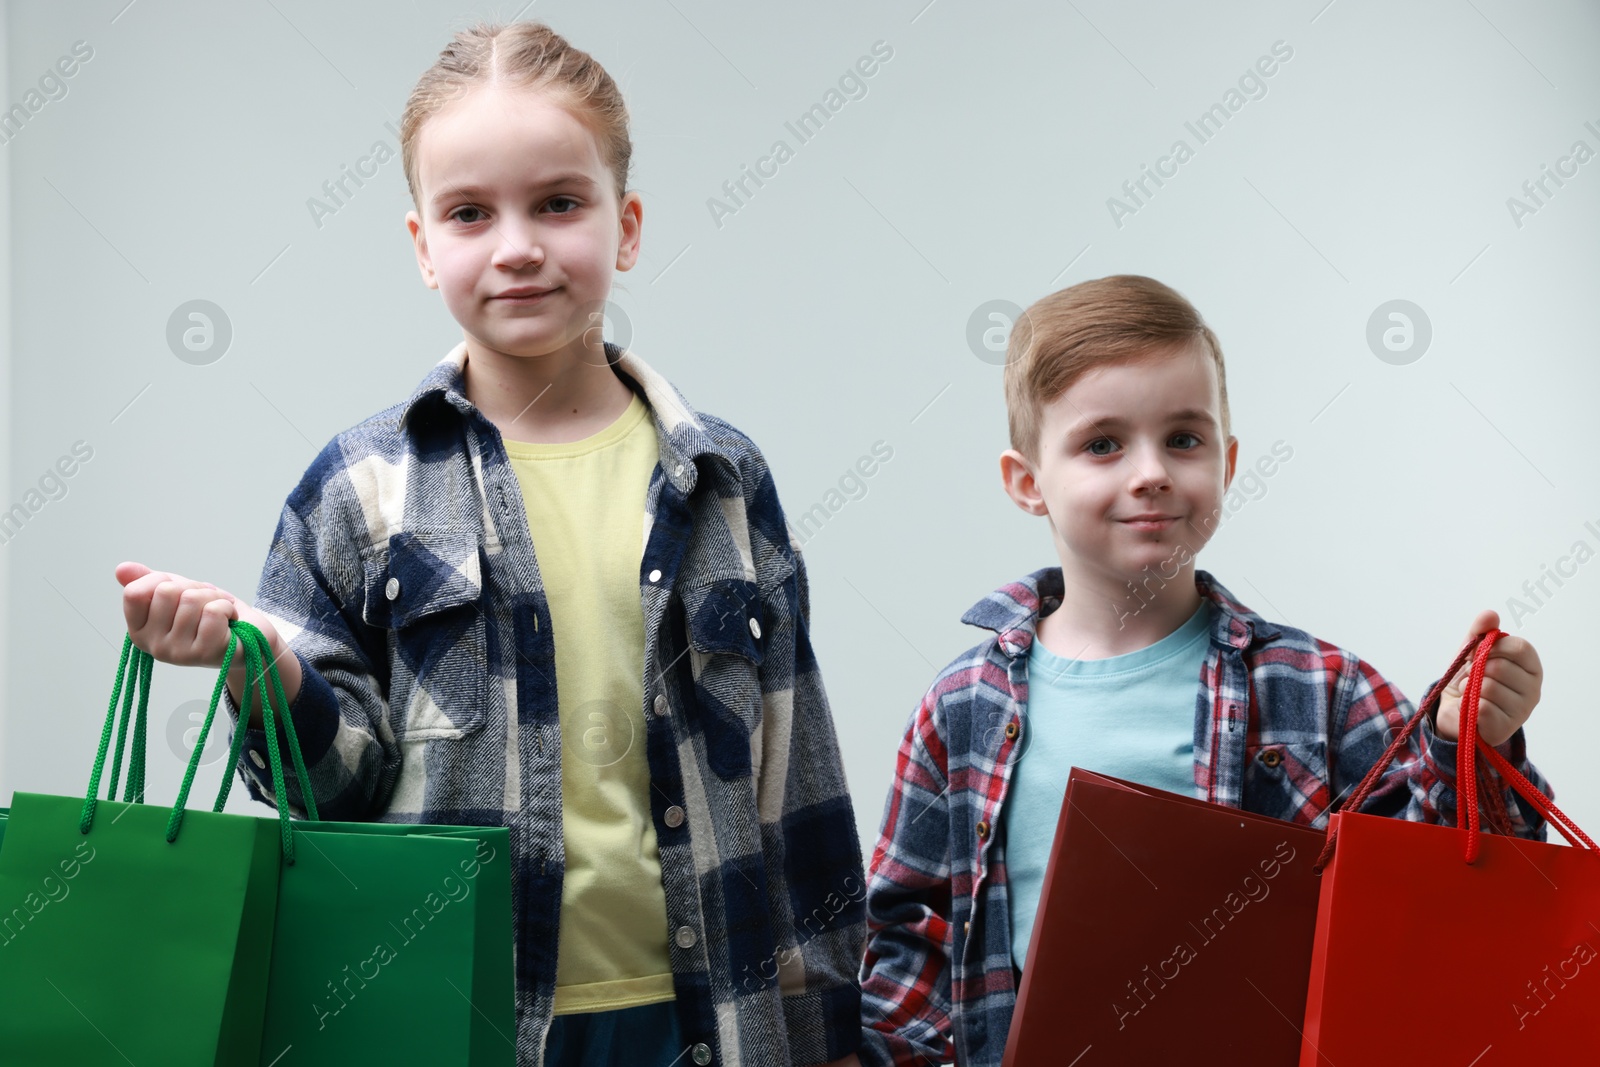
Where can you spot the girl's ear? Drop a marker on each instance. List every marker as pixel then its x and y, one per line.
pixel 419 241
pixel 1017 478
pixel 632 221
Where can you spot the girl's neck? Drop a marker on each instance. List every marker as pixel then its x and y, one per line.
pixel 552 399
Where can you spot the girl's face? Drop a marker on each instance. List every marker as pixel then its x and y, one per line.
pixel 520 226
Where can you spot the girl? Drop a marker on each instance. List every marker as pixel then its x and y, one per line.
pixel 643 712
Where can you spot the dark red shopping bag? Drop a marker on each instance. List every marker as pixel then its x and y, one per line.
pixel 1169 930
pixel 1423 958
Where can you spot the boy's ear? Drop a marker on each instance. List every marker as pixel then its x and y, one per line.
pixel 1233 459
pixel 1017 478
pixel 632 222
pixel 419 240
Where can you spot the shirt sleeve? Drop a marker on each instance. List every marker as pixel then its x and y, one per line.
pixel 312 590
pixel 811 846
pixel 1420 785
pixel 905 975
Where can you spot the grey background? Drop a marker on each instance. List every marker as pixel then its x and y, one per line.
pixel 831 310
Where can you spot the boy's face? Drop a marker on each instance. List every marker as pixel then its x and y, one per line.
pixel 516 195
pixel 1132 469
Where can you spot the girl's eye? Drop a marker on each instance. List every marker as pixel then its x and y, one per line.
pixel 1185 440
pixel 456 214
pixel 1101 446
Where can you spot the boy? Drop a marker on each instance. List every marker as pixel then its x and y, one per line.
pixel 1119 425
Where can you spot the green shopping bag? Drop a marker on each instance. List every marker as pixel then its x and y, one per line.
pixel 130 933
pixel 392 943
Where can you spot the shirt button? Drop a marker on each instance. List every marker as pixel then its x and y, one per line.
pixel 655 576
pixel 392 589
pixel 1271 758
pixel 983 829
pixel 702 1054
pixel 660 704
pixel 677 472
pixel 685 937
pixel 1011 730
pixel 755 629
pixel 255 757
pixel 673 817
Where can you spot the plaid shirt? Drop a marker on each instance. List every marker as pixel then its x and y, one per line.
pixel 937 981
pixel 403 575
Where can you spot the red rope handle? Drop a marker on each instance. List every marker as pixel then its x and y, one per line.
pixel 1467 769
pixel 1467 746
pixel 1430 703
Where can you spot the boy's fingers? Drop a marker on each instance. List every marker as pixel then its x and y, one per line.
pixel 1482 624
pixel 1516 653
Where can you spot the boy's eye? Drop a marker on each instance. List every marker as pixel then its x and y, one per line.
pixel 1101 446
pixel 1185 440
pixel 456 214
pixel 572 205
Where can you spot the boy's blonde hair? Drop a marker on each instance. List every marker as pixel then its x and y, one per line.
pixel 1063 336
pixel 526 55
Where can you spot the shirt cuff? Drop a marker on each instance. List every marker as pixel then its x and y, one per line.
pixel 315 713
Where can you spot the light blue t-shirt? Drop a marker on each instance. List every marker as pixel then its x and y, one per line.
pixel 1129 716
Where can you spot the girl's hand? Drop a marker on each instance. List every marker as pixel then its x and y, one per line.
pixel 177 620
pixel 185 623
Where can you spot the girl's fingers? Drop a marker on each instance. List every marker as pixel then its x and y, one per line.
pixel 138 600
pixel 213 629
pixel 190 611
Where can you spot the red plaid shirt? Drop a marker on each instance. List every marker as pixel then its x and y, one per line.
pixel 937 980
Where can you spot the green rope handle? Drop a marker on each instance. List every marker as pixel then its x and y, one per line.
pixel 142 662
pixel 136 758
pixel 238 635
pixel 140 671
pixel 256 675
pixel 287 720
pixel 234 642
pixel 253 642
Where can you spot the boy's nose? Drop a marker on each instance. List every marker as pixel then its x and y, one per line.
pixel 1148 473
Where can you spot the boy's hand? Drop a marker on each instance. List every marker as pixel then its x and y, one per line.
pixel 1511 682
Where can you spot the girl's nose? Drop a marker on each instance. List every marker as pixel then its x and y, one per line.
pixel 517 244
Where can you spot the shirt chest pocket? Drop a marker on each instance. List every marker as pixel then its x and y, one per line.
pixel 426 589
pixel 727 638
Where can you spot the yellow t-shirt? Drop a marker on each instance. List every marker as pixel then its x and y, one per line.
pixel 585 503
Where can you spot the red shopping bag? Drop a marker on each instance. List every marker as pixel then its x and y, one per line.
pixel 1160 917
pixel 1423 958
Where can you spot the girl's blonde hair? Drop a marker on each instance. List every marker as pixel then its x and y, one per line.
pixel 526 55
pixel 1069 333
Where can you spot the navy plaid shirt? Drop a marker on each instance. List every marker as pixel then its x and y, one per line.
pixel 403 576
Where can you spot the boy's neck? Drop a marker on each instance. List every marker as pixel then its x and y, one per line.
pixel 557 398
pixel 1095 621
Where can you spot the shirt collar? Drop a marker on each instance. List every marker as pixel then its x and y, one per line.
pixel 1013 612
pixel 681 431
